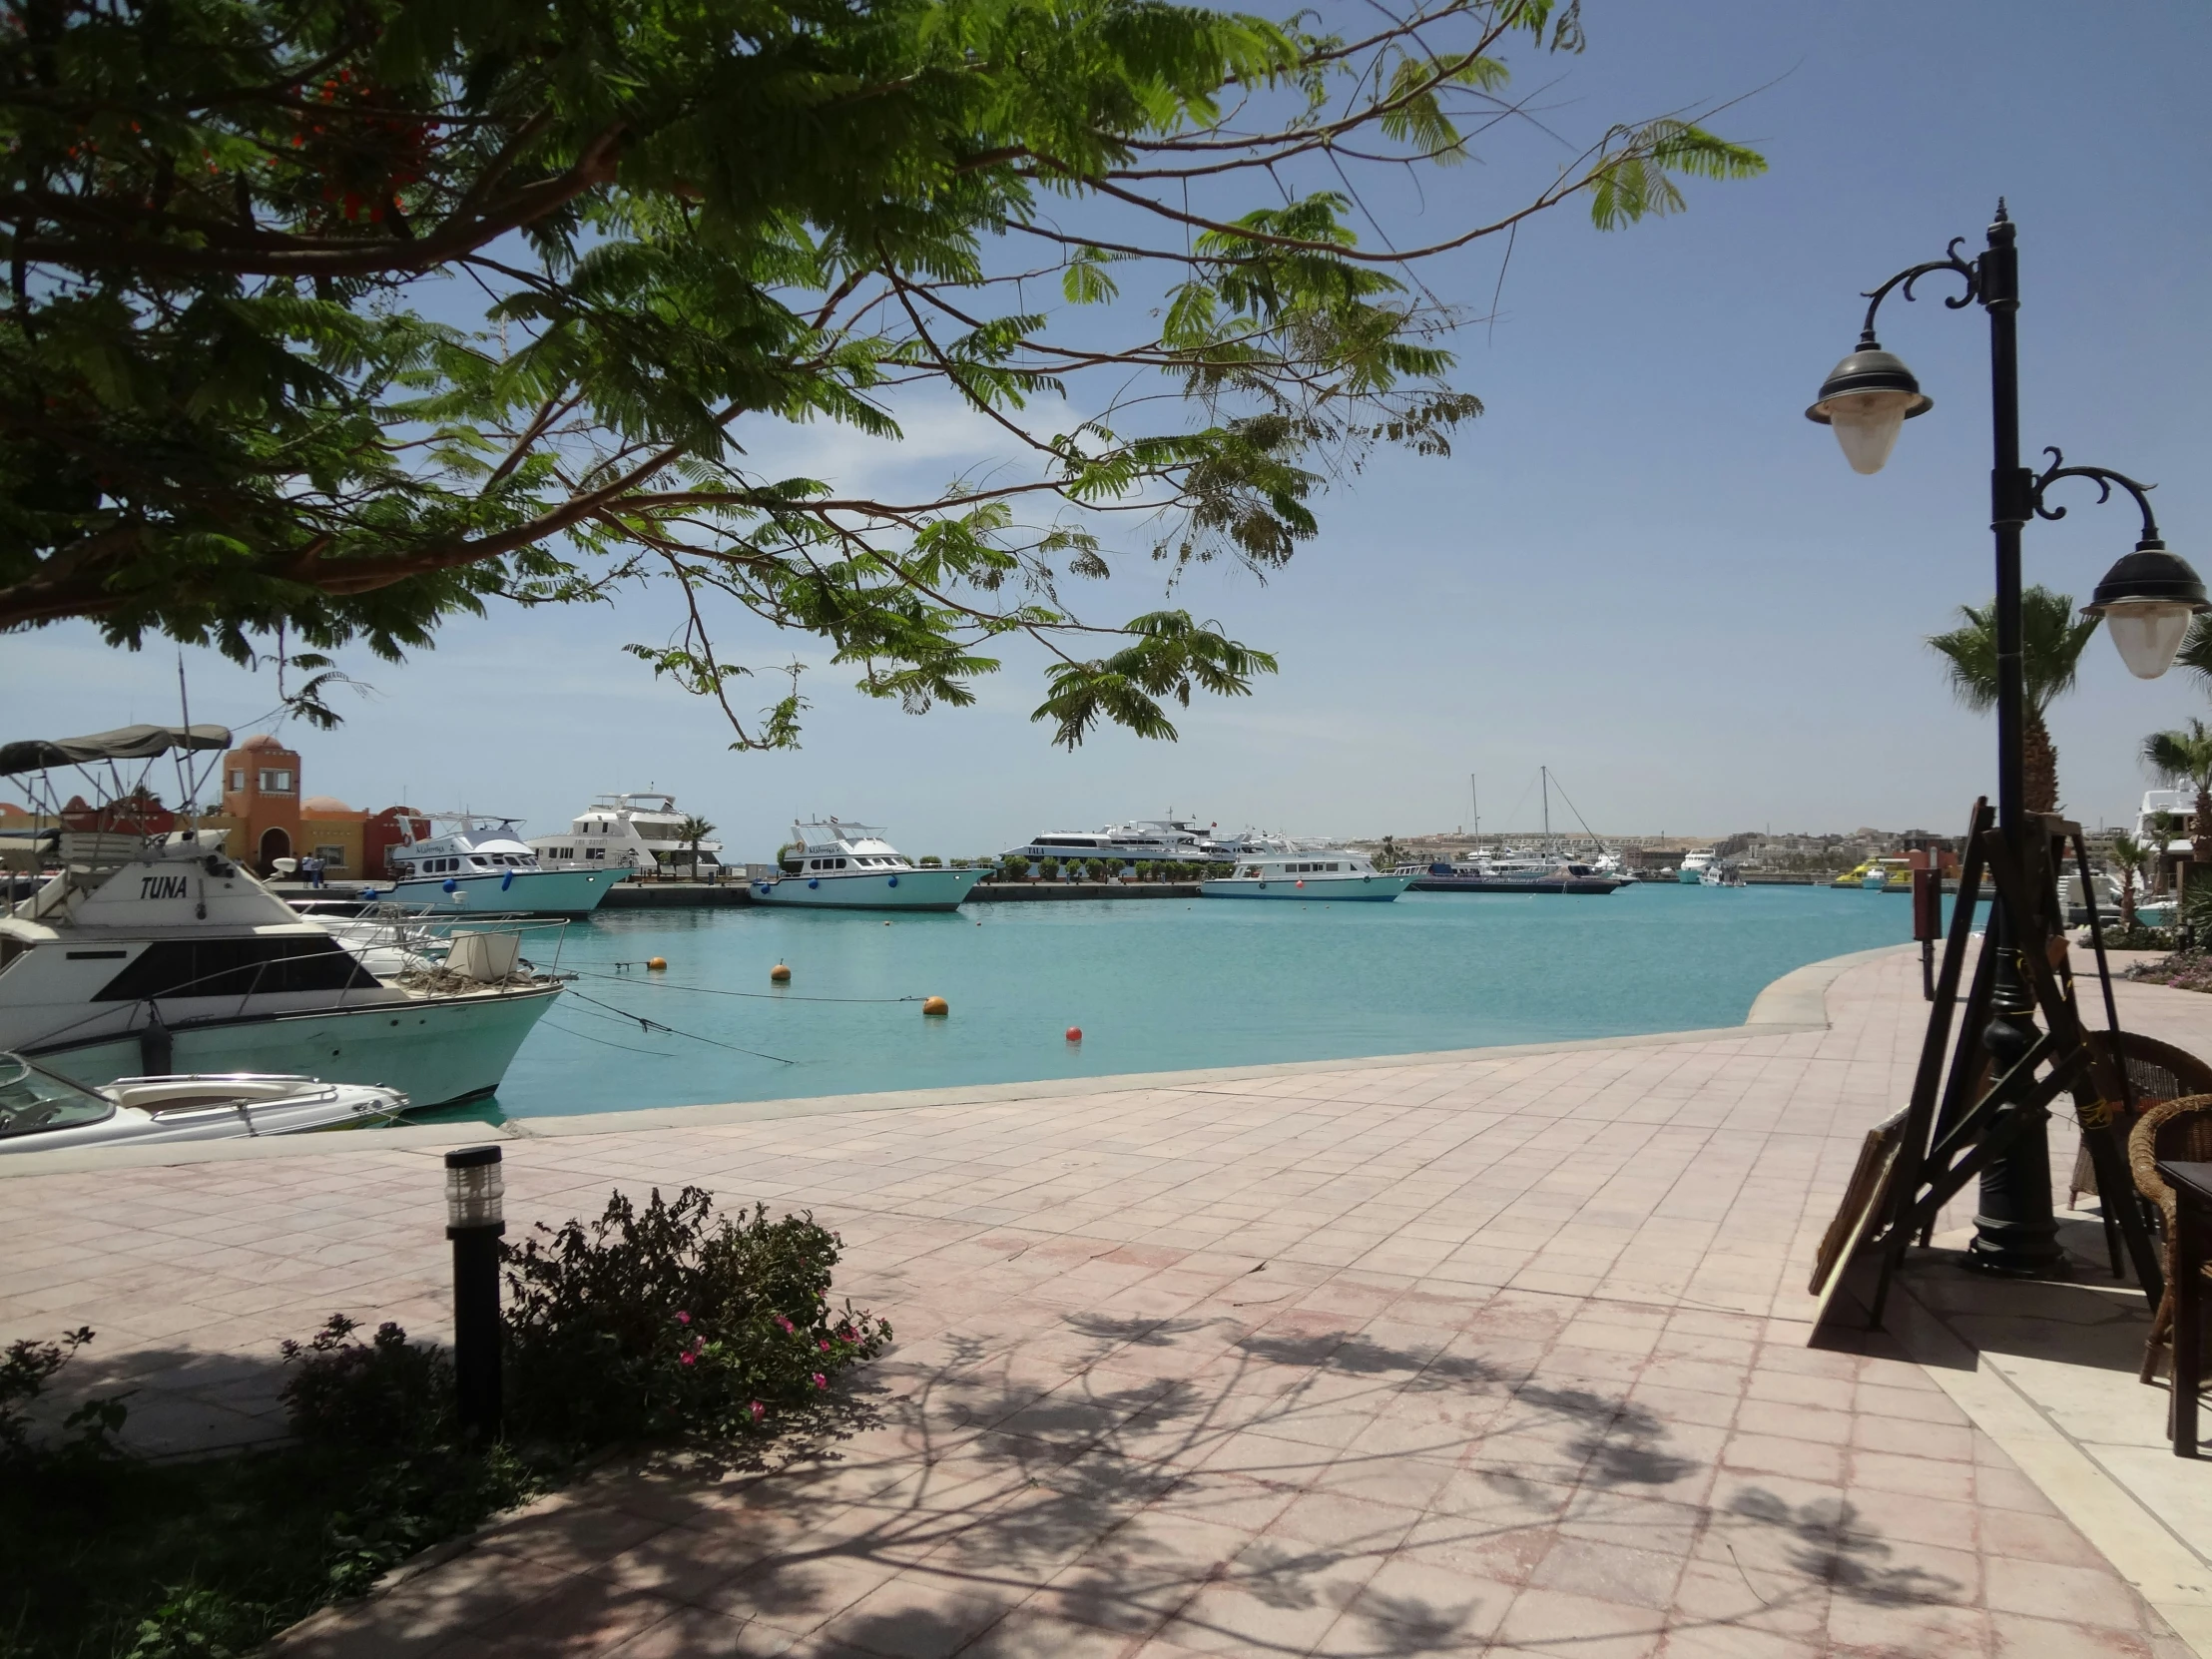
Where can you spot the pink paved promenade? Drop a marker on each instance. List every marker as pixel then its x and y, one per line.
pixel 1498 1354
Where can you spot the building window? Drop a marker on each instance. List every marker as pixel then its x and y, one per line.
pixel 332 856
pixel 237 779
pixel 277 781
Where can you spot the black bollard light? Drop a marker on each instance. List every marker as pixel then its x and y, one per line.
pixel 474 1218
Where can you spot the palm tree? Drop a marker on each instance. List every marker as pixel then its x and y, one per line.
pixel 2185 756
pixel 2130 855
pixel 691 833
pixel 2051 638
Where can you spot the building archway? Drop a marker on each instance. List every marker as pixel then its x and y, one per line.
pixel 274 845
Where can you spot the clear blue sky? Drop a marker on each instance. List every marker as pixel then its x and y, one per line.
pixel 1642 566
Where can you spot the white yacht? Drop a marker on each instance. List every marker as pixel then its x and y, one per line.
pixel 480 866
pixel 1691 871
pixel 43 1111
pixel 2180 806
pixel 631 834
pixel 850 866
pixel 158 955
pixel 1332 876
pixel 1171 838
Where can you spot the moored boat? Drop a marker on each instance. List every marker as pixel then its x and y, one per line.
pixel 159 954
pixel 637 834
pixel 834 866
pixel 482 866
pixel 1337 876
pixel 1483 875
pixel 43 1111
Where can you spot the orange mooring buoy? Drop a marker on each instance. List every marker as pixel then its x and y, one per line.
pixel 780 974
pixel 656 963
pixel 1075 1033
pixel 935 1006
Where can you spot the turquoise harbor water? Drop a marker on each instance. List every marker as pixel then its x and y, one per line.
pixel 1155 985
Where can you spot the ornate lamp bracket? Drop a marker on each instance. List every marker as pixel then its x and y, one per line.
pixel 2104 478
pixel 1950 261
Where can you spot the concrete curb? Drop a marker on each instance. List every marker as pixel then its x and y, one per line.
pixel 1796 1002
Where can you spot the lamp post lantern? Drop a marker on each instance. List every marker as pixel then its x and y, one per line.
pixel 2145 601
pixel 475 1216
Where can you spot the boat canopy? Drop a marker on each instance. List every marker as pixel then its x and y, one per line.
pixel 125 743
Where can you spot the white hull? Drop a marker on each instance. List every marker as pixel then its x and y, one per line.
pixel 434 1052
pixel 1370 890
pixel 309 1109
pixel 906 889
pixel 511 892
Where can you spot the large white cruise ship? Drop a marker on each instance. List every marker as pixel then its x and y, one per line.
pixel 1171 838
pixel 631 834
pixel 481 867
pixel 850 866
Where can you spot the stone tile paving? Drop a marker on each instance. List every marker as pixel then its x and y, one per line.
pixel 1498 1355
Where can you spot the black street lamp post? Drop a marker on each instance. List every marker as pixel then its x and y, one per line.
pixel 2145 601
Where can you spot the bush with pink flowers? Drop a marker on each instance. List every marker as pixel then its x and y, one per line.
pixel 669 1321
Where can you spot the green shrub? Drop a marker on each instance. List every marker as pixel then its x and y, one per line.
pixel 381 1395
pixel 667 1321
pixel 1049 868
pixel 25 1368
pixel 930 861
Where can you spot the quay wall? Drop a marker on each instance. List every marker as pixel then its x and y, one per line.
pixel 999 893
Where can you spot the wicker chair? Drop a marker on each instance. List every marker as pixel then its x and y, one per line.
pixel 2174 1129
pixel 2156 1071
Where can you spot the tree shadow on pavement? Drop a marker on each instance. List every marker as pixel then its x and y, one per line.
pixel 1225 1487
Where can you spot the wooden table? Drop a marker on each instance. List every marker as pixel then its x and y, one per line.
pixel 2192 1185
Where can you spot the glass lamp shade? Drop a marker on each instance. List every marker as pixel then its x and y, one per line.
pixel 1867 397
pixel 476 1191
pixel 1867 425
pixel 2147 600
pixel 2148 633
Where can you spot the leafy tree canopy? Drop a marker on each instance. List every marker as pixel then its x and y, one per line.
pixel 235 405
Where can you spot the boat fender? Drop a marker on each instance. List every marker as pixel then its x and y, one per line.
pixel 894 880
pixel 507 881
pixel 813 880
pixel 935 1007
pixel 156 1048
pixel 451 886
pixel 1301 880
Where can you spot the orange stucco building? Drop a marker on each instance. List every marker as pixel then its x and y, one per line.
pixel 268 817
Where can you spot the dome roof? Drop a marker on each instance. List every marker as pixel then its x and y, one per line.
pixel 324 803
pixel 264 740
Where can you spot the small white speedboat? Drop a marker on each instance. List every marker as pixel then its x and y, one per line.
pixel 40 1111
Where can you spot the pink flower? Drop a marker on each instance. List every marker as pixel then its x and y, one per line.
pixel 688 1358
pixel 821 1381
pixel 784 1323
pixel 682 1319
pixel 823 1345
pixel 757 1410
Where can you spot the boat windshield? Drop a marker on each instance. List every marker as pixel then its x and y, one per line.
pixel 32 1100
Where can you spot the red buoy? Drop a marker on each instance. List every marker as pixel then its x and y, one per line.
pixel 1075 1033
